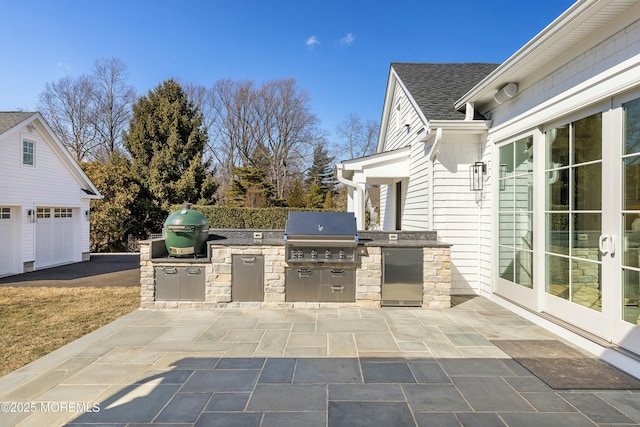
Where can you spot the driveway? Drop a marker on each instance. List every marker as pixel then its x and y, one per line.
pixel 100 270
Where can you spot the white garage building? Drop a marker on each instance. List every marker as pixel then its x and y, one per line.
pixel 44 197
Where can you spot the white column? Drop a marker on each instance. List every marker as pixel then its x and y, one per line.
pixel 358 204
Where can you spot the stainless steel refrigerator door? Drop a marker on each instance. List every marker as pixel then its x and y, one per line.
pixel 402 276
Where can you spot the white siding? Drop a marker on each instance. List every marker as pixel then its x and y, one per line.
pixel 416 206
pixel 485 280
pixel 402 113
pixel 614 50
pixel 48 183
pixel 458 212
pixel 385 202
pixel 415 191
pixel 593 61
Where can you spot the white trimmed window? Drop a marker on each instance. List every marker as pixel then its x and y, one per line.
pixel 62 213
pixel 28 152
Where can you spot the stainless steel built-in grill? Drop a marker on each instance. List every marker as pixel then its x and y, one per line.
pixel 319 237
pixel 321 248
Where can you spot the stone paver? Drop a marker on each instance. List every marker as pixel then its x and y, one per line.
pixel 318 367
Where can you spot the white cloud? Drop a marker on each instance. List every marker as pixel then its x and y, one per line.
pixel 63 68
pixel 348 39
pixel 312 41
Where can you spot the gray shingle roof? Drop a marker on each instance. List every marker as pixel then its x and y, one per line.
pixel 12 118
pixel 436 87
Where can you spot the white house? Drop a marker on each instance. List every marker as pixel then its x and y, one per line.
pixel 531 172
pixel 44 197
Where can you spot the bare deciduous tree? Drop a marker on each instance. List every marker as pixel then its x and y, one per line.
pixel 290 129
pixel 89 113
pixel 357 138
pixel 68 107
pixel 113 101
pixel 267 127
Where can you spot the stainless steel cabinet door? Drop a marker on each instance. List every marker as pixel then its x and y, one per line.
pixel 247 283
pixel 301 284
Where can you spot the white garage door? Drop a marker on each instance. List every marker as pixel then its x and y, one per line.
pixel 7 245
pixel 55 237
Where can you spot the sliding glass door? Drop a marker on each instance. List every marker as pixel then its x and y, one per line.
pixel 626 330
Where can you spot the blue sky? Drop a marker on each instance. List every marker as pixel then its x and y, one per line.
pixel 339 51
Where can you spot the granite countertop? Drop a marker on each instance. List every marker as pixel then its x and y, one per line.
pixel 361 242
pixel 365 238
pixel 404 243
pixel 406 239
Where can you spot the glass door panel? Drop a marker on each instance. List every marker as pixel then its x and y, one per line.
pixel 558 276
pixel 574 217
pixel 630 260
pixel 515 218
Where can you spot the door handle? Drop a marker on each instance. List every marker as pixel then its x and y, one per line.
pixel 610 247
pixel 304 272
pixel 601 241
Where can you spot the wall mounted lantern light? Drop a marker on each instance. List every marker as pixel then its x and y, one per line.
pixel 476 176
pixel 31 214
pixel 87 215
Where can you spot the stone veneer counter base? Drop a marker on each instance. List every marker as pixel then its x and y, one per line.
pixel 224 244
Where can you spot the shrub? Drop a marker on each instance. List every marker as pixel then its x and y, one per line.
pixel 245 218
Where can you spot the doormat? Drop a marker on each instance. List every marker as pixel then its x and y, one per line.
pixel 564 368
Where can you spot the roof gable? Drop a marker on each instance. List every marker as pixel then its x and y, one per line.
pixel 12 120
pixel 9 120
pixel 436 87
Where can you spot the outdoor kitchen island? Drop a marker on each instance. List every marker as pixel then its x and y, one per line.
pixel 251 269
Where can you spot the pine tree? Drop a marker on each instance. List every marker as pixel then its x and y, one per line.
pixel 320 177
pixel 249 188
pixel 166 141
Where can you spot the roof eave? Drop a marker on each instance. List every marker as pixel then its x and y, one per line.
pixel 60 150
pixel 527 54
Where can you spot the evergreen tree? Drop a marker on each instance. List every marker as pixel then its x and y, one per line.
pixel 296 197
pixel 315 195
pixel 166 141
pixel 121 211
pixel 320 177
pixel 249 188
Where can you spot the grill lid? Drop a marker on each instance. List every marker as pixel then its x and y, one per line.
pixel 311 226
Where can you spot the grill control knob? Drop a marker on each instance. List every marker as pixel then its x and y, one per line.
pixel 341 254
pixel 300 254
pixel 314 254
pixel 327 253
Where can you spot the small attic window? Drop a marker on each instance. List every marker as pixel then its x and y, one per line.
pixel 28 152
pixel 89 192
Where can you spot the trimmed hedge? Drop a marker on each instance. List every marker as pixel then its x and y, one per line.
pixel 245 218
